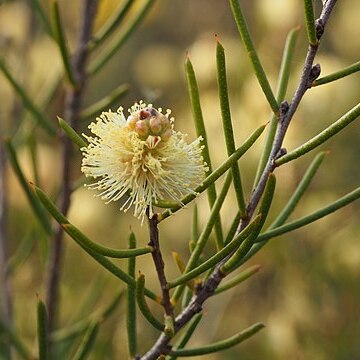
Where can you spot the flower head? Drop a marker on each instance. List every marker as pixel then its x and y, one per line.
pixel 141 159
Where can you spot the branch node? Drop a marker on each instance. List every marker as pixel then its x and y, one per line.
pixel 280 153
pixel 319 27
pixel 314 73
pixel 284 107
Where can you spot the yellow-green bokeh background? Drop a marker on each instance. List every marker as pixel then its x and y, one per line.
pixel 307 292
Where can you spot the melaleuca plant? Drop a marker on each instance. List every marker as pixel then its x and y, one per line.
pixel 143 164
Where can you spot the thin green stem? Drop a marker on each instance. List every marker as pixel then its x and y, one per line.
pixel 338 74
pixel 253 56
pixel 227 124
pixel 61 41
pixel 283 81
pixel 200 130
pixel 319 139
pixel 310 22
pixel 220 345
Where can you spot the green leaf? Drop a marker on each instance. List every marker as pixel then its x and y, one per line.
pixel 42 326
pixel 233 227
pixel 34 202
pixel 131 302
pixel 143 306
pixel 187 334
pixel 338 74
pixel 169 326
pixel 263 211
pixel 73 330
pixel 238 279
pixel 88 341
pixel 191 272
pixel 220 345
pixel 283 80
pixel 104 104
pixel 22 252
pixel 42 99
pixel 200 131
pixel 72 134
pixel 19 346
pixel 111 25
pixel 115 45
pixel 33 109
pixel 32 146
pixel 78 236
pixel 213 176
pixel 310 22
pixel 81 238
pixel 61 219
pixel 204 236
pixel 291 204
pixel 59 36
pixel 227 124
pixel 253 56
pixel 39 9
pixel 195 225
pixel 300 190
pixel 319 139
pixel 336 205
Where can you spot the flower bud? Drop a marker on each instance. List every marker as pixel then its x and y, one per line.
pixel 142 129
pixel 155 125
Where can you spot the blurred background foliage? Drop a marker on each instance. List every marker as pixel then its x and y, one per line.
pixel 307 292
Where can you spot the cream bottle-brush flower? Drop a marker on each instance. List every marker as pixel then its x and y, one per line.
pixel 141 159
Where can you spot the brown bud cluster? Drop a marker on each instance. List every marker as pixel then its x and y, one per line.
pixel 149 121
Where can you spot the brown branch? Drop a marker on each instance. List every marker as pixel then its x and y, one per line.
pixel 73 102
pixel 5 288
pixel 159 265
pixel 287 112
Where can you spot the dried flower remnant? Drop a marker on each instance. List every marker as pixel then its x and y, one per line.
pixel 141 159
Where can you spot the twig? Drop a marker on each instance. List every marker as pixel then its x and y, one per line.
pixel 286 114
pixel 72 109
pixel 159 264
pixel 5 290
